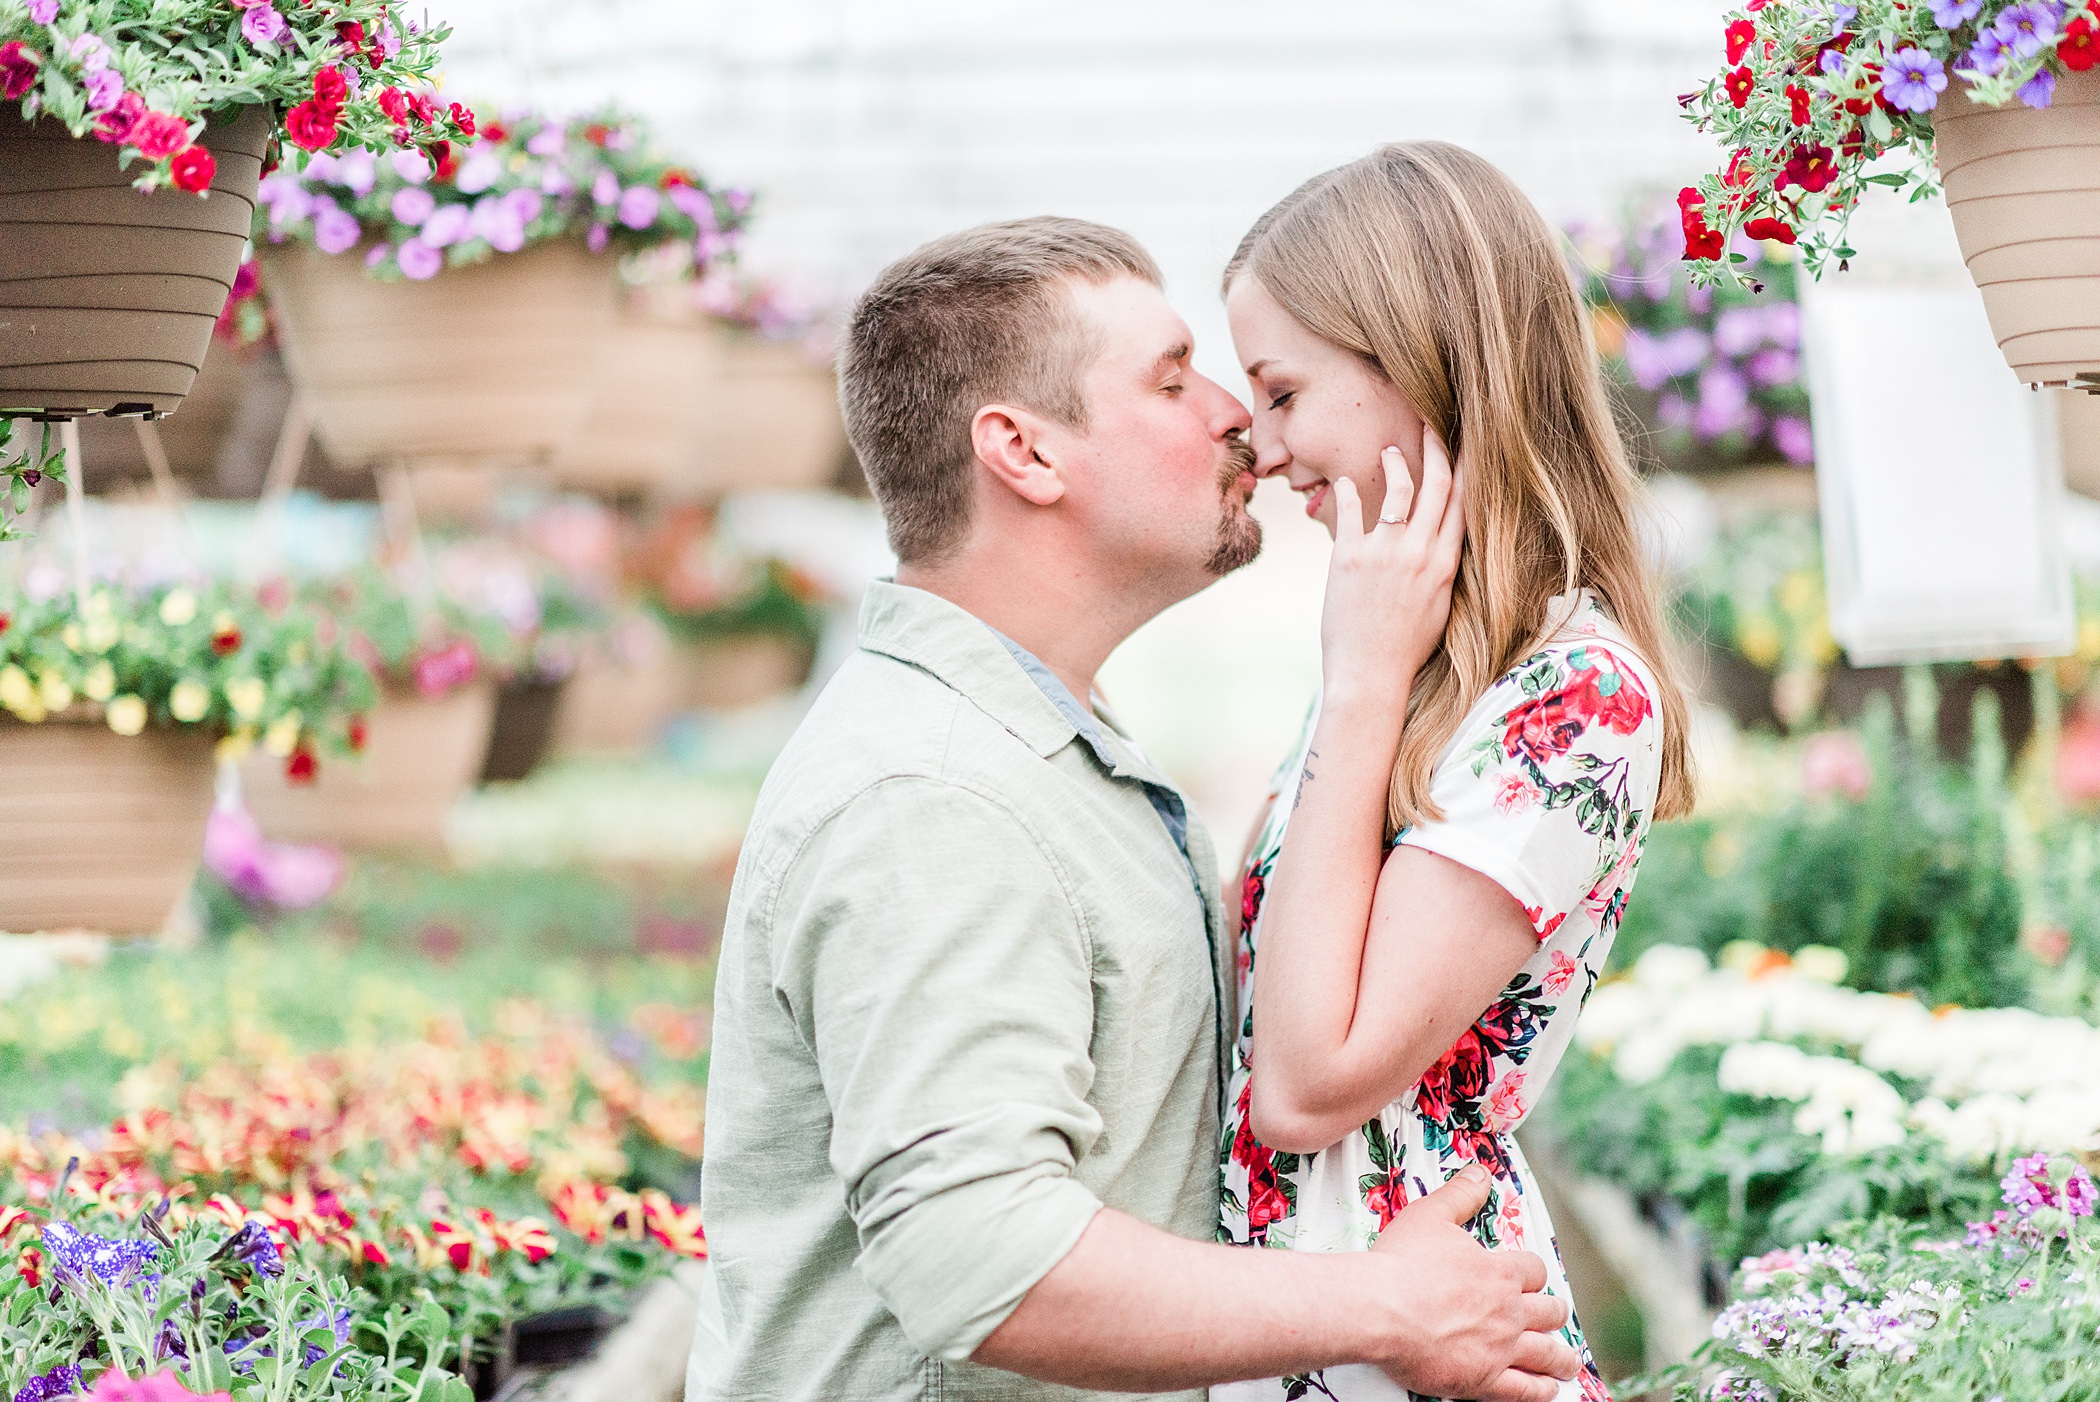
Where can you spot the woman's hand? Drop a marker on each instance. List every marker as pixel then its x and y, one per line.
pixel 1389 588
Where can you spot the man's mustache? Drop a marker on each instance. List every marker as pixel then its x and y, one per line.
pixel 1239 457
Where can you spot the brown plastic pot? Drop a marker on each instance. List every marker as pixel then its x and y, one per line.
pixel 108 296
pixel 772 420
pixel 192 439
pixel 643 433
pixel 421 756
pixel 523 728
pixel 100 831
pixel 492 362
pixel 2024 187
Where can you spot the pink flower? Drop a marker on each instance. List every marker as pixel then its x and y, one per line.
pixel 103 90
pixel 1834 762
pixel 158 134
pixel 115 124
pixel 1561 974
pixel 1517 794
pixel 43 11
pixel 1506 1104
pixel 438 672
pixel 263 25
pixel 113 1386
pixel 18 68
pixel 1511 1219
pixel 418 262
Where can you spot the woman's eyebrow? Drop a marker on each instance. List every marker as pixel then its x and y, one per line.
pixel 1256 368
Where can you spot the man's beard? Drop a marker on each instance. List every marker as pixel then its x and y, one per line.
pixel 1239 534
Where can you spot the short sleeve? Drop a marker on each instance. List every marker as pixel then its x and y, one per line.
pixel 1548 786
pixel 951 1020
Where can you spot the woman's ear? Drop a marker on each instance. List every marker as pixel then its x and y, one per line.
pixel 1010 443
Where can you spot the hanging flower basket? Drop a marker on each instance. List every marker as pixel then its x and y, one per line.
pixel 2024 188
pixel 491 361
pixel 108 296
pixel 772 420
pixel 421 755
pixel 643 433
pixel 458 311
pixel 2003 96
pixel 100 831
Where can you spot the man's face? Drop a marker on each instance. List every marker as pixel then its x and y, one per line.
pixel 1162 475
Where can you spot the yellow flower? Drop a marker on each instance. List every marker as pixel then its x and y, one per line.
pixel 233 748
pixel 282 735
pixel 55 690
pixel 2089 638
pixel 1798 594
pixel 98 604
pixel 177 607
pixel 70 636
pixel 189 700
pixel 1758 638
pixel 18 695
pixel 126 715
pixel 102 633
pixel 100 683
pixel 246 695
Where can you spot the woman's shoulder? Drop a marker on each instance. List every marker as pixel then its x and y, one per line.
pixel 1585 681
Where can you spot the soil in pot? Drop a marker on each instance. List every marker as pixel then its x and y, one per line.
pixel 523 728
pixel 108 296
pixel 100 831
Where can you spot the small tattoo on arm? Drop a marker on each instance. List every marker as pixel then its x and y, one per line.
pixel 1305 776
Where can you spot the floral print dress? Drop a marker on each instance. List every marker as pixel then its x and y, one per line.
pixel 1547 788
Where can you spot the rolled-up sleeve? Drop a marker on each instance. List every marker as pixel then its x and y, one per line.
pixel 933 960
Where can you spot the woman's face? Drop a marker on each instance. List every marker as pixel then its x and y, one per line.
pixel 1320 412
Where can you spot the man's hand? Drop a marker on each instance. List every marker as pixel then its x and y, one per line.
pixel 1469 1322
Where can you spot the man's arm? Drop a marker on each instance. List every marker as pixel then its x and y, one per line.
pixel 1131 1308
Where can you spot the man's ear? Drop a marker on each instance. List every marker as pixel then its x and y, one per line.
pixel 1009 442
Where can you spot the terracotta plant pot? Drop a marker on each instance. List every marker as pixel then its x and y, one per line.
pixel 619 705
pixel 489 362
pixel 772 420
pixel 108 296
pixel 720 674
pixel 2024 187
pixel 421 755
pixel 643 435
pixel 100 831
pixel 523 728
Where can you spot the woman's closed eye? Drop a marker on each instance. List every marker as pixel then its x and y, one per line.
pixel 1282 399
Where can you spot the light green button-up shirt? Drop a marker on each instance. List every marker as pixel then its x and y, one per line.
pixel 970 992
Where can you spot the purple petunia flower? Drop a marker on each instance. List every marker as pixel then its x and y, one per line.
pixel 1793 438
pixel 357 171
pixel 1773 368
pixel 1832 63
pixel 263 25
pixel 1952 14
pixel 548 140
pixel 1738 330
pixel 1724 402
pixel 2040 90
pixel 412 204
pixel 447 226
pixel 2030 26
pixel 524 205
pixel 418 260
pixel 480 170
pixel 59 1382
pixel 1912 80
pixel 90 53
pixel 1653 361
pixel 498 224
pixel 335 230
pixel 412 166
pixel 103 90
pixel 43 11
pixel 605 188
pixel 111 1260
pixel 597 238
pixel 639 206
pixel 1990 54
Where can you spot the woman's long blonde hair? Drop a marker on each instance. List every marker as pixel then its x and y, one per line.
pixel 1431 264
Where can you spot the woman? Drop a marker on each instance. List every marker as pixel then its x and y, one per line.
pixel 1435 889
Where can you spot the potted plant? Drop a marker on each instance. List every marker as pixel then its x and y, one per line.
pixel 151 121
pixel 436 664
pixel 772 414
pixel 1995 99
pixel 496 358
pixel 112 713
pixel 744 627
pixel 1713 372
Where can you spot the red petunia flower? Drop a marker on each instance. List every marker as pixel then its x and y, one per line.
pixel 496 131
pixel 331 88
pixel 193 168
pixel 356 732
pixel 1703 245
pixel 395 104
pixel 422 108
pixel 350 34
pixel 1740 35
pixel 1812 168
pixel 18 68
pixel 158 134
pixel 1769 229
pixel 1798 98
pixel 312 125
pixel 226 640
pixel 1740 85
pixel 115 124
pixel 462 117
pixel 300 766
pixel 2080 48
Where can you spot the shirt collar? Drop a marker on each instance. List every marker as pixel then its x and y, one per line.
pixel 967 654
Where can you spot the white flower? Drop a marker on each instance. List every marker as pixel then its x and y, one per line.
pixel 246 695
pixel 100 683
pixel 1670 966
pixel 126 715
pixel 177 607
pixel 189 700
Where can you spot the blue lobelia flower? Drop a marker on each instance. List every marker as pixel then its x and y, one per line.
pixel 1913 80
pixel 59 1382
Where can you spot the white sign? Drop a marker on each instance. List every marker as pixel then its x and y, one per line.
pixel 1939 479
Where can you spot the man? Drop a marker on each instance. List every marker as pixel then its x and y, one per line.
pixel 974 994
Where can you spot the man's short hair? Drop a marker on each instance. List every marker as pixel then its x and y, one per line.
pixel 978 317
